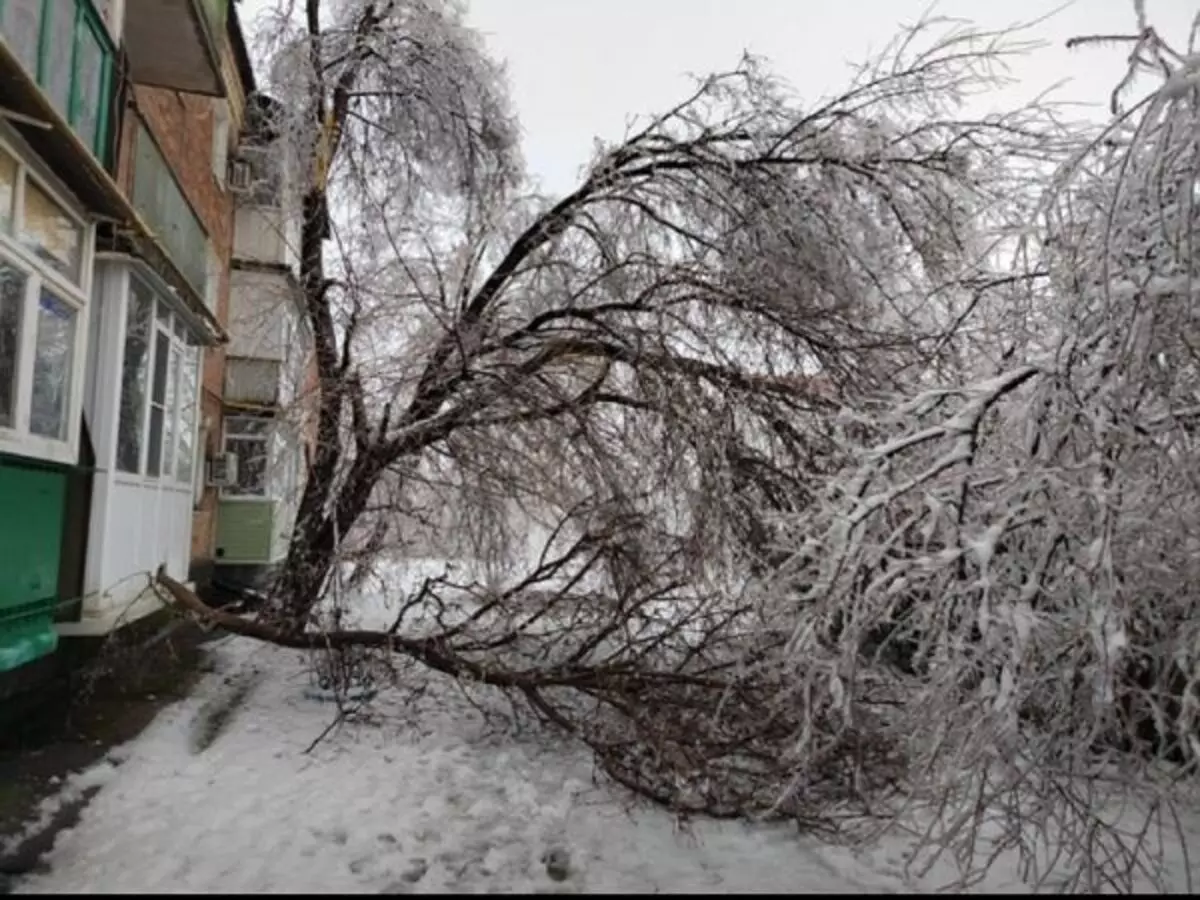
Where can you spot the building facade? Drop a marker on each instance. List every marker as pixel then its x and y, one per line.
pixel 118 119
pixel 270 371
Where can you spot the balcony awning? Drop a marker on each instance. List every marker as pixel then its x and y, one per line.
pixel 173 44
pixel 49 136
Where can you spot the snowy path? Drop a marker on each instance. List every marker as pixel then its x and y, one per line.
pixel 429 795
pixel 423 801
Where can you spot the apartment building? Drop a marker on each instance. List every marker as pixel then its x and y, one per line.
pixel 270 368
pixel 118 123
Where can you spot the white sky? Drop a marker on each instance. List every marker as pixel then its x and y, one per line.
pixel 579 68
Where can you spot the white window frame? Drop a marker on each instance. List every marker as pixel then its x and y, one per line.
pixel 266 438
pixel 178 351
pixel 18 439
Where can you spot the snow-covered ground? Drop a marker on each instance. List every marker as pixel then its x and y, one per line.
pixel 430 793
pixel 427 798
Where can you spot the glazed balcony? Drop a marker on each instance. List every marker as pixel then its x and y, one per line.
pixel 65 51
pixel 160 202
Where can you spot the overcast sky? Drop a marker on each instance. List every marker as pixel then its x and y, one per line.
pixel 579 68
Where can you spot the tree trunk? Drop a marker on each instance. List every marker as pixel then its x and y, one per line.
pixel 316 540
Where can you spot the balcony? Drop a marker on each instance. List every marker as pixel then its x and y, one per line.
pixel 253 382
pixel 176 44
pixel 65 50
pixel 251 531
pixel 159 200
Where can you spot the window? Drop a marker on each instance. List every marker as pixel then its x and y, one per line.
pixel 64 47
pixel 42 277
pixel 21 21
pixel 53 355
pixel 188 389
pixel 50 233
pixel 249 440
pixel 90 84
pixel 159 384
pixel 158 404
pixel 135 368
pixel 59 50
pixel 12 304
pixel 171 423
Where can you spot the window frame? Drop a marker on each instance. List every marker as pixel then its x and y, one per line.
pixel 180 352
pixel 229 433
pixel 18 439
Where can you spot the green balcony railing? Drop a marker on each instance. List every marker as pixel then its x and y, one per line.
pixel 65 47
pixel 161 203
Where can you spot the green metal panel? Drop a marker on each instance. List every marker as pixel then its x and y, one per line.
pixel 245 531
pixel 32 505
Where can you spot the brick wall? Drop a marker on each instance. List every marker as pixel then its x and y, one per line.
pixel 183 124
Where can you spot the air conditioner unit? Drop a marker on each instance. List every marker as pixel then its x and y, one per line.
pixel 222 470
pixel 241 175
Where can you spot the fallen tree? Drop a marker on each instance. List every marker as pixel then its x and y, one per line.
pixel 791 501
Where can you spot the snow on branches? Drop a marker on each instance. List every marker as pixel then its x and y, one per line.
pixel 1019 553
pixel 807 475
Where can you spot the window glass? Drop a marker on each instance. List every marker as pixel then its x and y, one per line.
pixel 21 21
pixel 251 453
pixel 59 54
pixel 188 383
pixel 89 88
pixel 169 411
pixel 158 393
pixel 50 233
pixel 53 354
pixel 248 438
pixel 134 371
pixel 12 304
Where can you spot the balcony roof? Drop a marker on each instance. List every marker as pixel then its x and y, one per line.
pixel 51 138
pixel 174 44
